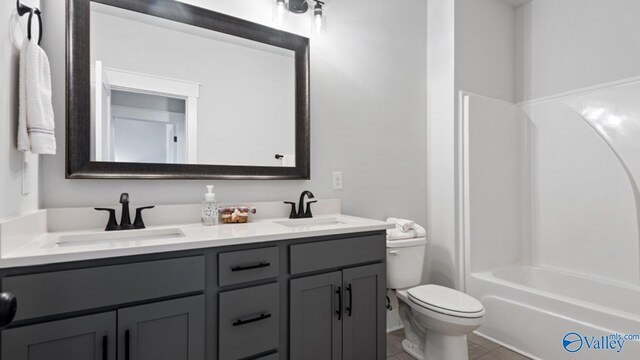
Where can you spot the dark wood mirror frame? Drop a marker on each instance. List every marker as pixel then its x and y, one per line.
pixel 78 95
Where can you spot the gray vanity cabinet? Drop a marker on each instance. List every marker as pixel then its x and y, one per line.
pixel 315 328
pixel 363 329
pixel 166 330
pixel 319 298
pixel 91 337
pixel 339 315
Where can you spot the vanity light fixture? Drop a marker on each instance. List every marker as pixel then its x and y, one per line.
pixel 319 21
pixel 318 17
pixel 298 6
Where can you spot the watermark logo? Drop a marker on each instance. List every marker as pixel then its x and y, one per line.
pixel 572 342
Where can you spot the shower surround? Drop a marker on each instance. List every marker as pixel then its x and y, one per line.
pixel 551 218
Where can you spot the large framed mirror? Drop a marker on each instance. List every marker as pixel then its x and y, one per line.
pixel 158 89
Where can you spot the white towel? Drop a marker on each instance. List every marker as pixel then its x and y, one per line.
pixel 397 233
pixel 35 115
pixel 405 225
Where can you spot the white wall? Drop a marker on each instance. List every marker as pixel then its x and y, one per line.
pixel 571 44
pixel 441 156
pixel 368 116
pixel 12 202
pixel 485 46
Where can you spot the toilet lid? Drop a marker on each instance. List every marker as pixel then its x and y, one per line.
pixel 445 300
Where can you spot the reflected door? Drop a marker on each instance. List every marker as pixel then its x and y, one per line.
pixel 136 140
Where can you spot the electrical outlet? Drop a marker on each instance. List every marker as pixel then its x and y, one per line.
pixel 26 177
pixel 337 180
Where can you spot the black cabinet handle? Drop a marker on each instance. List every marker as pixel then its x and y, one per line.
pixel 105 352
pixel 138 223
pixel 339 311
pixel 127 345
pixel 293 214
pixel 250 267
pixel 112 223
pixel 8 308
pixel 254 319
pixel 350 307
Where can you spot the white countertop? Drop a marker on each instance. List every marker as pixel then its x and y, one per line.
pixel 46 249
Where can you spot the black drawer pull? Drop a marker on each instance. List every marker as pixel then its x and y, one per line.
pixel 254 319
pixel 105 348
pixel 339 311
pixel 250 267
pixel 350 307
pixel 127 345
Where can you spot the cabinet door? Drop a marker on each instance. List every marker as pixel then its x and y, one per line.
pixel 90 337
pixel 167 330
pixel 364 313
pixel 315 320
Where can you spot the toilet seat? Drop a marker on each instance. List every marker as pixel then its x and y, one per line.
pixel 446 301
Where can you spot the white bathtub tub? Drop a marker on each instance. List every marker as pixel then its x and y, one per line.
pixel 531 309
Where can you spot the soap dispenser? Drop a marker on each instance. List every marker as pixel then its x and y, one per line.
pixel 209 208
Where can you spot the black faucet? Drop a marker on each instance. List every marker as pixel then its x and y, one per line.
pixel 301 213
pixel 125 219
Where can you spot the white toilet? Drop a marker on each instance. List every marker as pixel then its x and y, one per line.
pixel 436 319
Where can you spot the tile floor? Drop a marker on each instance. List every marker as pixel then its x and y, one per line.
pixel 479 349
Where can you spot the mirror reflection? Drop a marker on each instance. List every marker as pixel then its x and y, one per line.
pixel 167 92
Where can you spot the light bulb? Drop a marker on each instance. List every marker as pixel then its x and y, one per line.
pixel 280 12
pixel 318 23
pixel 319 20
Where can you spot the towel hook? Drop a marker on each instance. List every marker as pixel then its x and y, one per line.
pixel 23 9
pixel 37 12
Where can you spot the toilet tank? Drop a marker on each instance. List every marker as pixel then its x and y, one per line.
pixel 404 262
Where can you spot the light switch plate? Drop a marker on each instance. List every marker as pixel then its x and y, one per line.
pixel 26 177
pixel 337 180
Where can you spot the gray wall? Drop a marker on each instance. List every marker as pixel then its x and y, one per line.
pixel 368 86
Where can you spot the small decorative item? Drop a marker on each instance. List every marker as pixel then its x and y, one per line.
pixel 235 214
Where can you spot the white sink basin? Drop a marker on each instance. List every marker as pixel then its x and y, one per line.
pixel 122 235
pixel 307 223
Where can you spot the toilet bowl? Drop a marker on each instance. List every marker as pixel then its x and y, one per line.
pixel 436 319
pixel 440 319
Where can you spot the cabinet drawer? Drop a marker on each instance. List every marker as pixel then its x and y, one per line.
pixel 73 290
pixel 248 321
pixel 336 253
pixel 247 265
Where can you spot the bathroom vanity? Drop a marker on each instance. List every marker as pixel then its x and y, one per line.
pixel 279 291
pixel 273 288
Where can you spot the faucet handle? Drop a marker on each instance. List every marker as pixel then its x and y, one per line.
pixel 112 224
pixel 293 213
pixel 124 198
pixel 138 223
pixel 307 213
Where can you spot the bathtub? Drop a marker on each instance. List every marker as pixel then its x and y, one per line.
pixel 530 310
